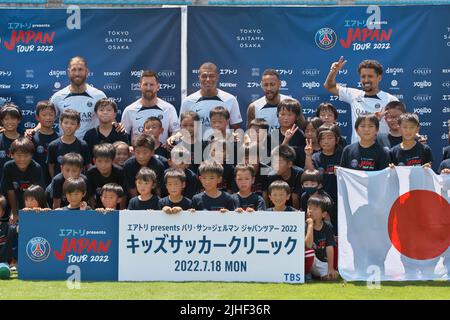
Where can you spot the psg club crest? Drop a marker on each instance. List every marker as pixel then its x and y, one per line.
pixel 38 249
pixel 326 38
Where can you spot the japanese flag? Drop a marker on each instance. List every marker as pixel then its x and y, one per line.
pixel 394 223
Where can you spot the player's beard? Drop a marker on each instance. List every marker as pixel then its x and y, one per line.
pixel 369 88
pixel 77 81
pixel 273 95
pixel 149 95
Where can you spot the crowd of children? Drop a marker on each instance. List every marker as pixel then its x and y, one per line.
pixel 289 169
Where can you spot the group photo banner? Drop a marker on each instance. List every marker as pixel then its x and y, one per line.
pixel 155 246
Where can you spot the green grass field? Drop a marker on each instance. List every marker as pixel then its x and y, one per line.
pixel 315 290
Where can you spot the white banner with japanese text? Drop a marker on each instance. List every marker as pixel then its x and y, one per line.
pixel 211 246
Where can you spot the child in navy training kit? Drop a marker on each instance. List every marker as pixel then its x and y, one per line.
pixel 145 185
pixel 410 152
pixel 219 152
pixel 111 196
pixel 20 173
pixel 103 172
pixel 45 115
pixel 74 190
pixel 180 159
pixel 250 152
pixel 105 132
pixel 367 154
pixel 122 153
pixel 327 159
pixel 283 158
pixel 311 127
pixel 71 167
pixel 319 237
pixel 153 126
pixel 69 123
pixel 329 115
pixel 10 117
pixel 247 200
pixel 35 199
pixel 144 150
pixel 175 202
pixel 311 182
pixel 279 193
pixel 392 112
pixel 291 121
pixel 212 198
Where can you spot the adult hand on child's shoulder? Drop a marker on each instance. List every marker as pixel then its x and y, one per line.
pixel 120 128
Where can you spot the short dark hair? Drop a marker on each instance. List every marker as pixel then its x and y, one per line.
pixel 322 202
pixel 409 117
pixel 73 159
pixel 173 173
pixel 316 122
pixel 294 106
pixel 370 117
pixel 146 174
pixel 395 105
pixel 190 114
pixel 311 175
pixel 208 65
pixel 244 167
pixel 104 150
pixel 261 123
pixel 45 104
pixel 279 185
pixel 74 184
pixel 211 167
pixel 113 187
pixel 149 73
pixel 153 119
pixel 120 143
pixel 371 64
pixel 38 193
pixel 22 144
pixel 11 110
pixel 219 111
pixel 328 128
pixel 145 141
pixel 326 106
pixel 271 72
pixel 70 114
pixel 78 58
pixel 285 152
pixel 290 104
pixel 103 102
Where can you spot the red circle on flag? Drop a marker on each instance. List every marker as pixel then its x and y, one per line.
pixel 419 224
